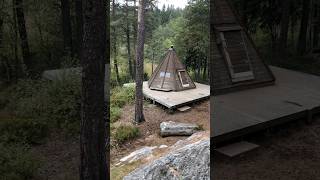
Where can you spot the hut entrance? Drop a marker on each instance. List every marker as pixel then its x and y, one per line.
pixel 183 78
pixel 236 55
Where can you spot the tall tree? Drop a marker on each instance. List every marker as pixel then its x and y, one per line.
pixel 93 138
pixel 114 43
pixel 128 40
pixel 79 23
pixel 23 33
pixel 302 41
pixel 134 34
pixel 66 27
pixel 139 117
pixel 283 39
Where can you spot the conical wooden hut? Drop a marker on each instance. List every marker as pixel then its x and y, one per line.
pixel 236 64
pixel 171 75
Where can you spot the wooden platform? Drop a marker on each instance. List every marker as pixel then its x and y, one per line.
pixel 173 100
pixel 295 95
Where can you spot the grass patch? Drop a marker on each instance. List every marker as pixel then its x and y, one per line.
pixel 117 173
pixel 125 132
pixel 121 96
pixel 115 113
pixel 200 127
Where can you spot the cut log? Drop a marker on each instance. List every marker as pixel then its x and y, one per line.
pixel 177 129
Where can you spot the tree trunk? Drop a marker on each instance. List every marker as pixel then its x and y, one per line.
pixel 139 117
pixel 66 27
pixel 79 23
pixel 128 41
pixel 114 43
pixel 93 139
pixel 134 35
pixel 302 42
pixel 23 33
pixel 204 75
pixel 1 31
pixel 283 40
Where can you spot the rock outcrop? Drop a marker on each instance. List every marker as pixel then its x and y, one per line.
pixel 188 159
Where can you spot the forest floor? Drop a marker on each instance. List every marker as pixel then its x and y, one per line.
pixel 287 152
pixel 60 155
pixel 150 129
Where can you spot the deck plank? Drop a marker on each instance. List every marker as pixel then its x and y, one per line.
pixel 175 99
pixel 293 93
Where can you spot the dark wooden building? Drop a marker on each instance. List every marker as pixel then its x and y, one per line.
pixel 236 64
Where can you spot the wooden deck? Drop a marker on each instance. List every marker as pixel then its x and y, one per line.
pixel 295 95
pixel 173 100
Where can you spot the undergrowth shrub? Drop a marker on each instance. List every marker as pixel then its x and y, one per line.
pixel 125 132
pixel 56 103
pixel 122 95
pixel 22 130
pixel 115 113
pixel 17 163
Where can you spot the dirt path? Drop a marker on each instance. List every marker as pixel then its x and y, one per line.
pixel 149 130
pixel 288 152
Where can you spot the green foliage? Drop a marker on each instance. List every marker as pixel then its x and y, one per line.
pixel 125 133
pixel 55 103
pixel 115 113
pixel 22 130
pixel 189 34
pixel 17 163
pixel 121 96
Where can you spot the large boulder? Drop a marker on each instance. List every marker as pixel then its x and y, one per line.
pixel 190 162
pixel 177 129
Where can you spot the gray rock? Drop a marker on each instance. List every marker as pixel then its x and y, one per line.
pixel 191 162
pixel 177 129
pixel 163 146
pixel 138 154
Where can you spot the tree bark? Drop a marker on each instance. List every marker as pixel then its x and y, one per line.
pixel 302 42
pixel 283 40
pixel 66 27
pixel 114 44
pixel 17 64
pixel 139 117
pixel 93 138
pixel 204 75
pixel 134 35
pixel 79 23
pixel 128 41
pixel 1 31
pixel 23 33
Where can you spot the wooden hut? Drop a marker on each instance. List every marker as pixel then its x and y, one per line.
pixel 236 63
pixel 171 75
